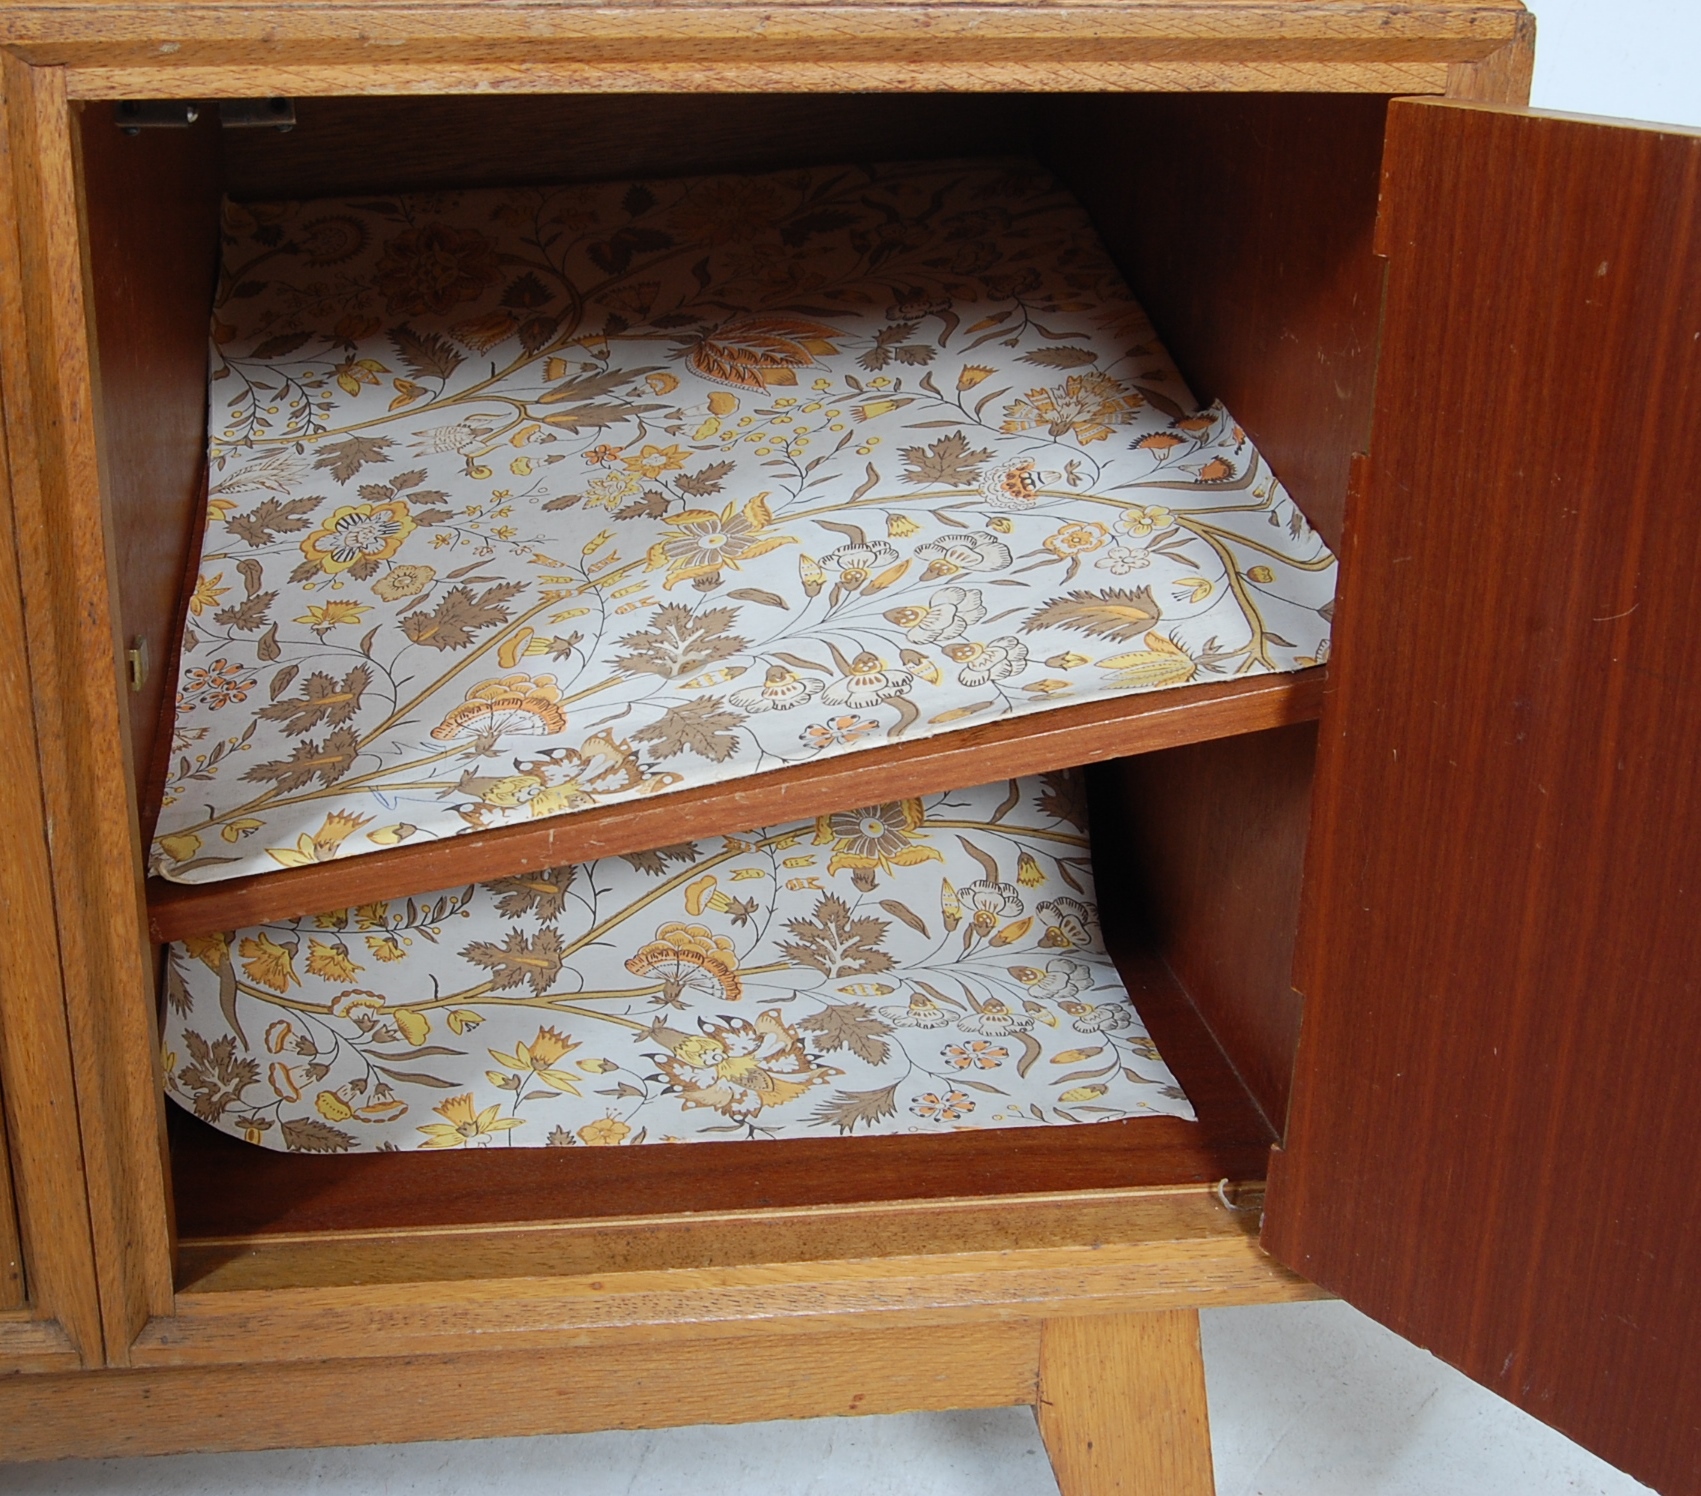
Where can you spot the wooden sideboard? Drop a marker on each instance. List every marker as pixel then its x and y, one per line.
pixel 1430 921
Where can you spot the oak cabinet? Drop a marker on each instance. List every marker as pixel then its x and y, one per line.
pixel 1426 921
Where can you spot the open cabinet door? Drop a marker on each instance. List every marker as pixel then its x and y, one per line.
pixel 1494 1140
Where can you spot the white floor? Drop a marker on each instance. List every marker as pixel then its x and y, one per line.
pixel 1306 1400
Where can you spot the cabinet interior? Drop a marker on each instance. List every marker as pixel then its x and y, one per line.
pixel 1243 224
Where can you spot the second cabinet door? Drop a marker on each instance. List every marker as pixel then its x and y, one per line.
pixel 1491 1147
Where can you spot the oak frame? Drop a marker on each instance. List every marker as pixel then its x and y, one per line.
pixel 60 1326
pixel 91 993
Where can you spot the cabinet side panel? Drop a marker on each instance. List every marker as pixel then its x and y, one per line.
pixel 150 215
pixel 1217 834
pixel 1243 223
pixel 1491 1146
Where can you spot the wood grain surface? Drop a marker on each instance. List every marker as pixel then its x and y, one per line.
pixel 1122 1405
pixel 150 785
pixel 31 1345
pixel 12 1288
pixel 151 231
pixel 401 144
pixel 1244 226
pixel 226 1188
pixel 454 70
pixel 1504 75
pixel 654 1242
pixel 936 1287
pixel 34 1050
pixel 40 1160
pixel 76 1045
pixel 247 47
pixel 1491 1146
pixel 78 1034
pixel 1032 744
pixel 1216 839
pixel 469 1395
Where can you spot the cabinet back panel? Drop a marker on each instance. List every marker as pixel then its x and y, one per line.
pixel 151 244
pixel 351 145
pixel 1243 223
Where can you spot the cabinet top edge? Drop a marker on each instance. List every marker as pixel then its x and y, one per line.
pixel 124 23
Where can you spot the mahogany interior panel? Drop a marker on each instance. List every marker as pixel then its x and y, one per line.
pixel 1243 223
pixel 1068 736
pixel 1491 1147
pixel 151 229
pixel 400 144
pixel 1217 835
pixel 13 1290
pixel 150 790
pixel 225 1188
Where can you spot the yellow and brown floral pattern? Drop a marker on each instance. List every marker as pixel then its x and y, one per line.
pixel 528 501
pixel 922 966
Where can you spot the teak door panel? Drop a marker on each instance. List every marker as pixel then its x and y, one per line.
pixel 1491 1142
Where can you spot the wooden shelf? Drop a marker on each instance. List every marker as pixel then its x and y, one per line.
pixel 1089 733
pixel 236 1200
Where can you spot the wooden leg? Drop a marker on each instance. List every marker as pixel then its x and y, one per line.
pixel 1122 1405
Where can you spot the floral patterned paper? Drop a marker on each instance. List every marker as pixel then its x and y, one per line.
pixel 528 501
pixel 920 966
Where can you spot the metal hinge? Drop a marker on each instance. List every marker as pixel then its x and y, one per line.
pixel 136 662
pixel 135 115
pixel 257 114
